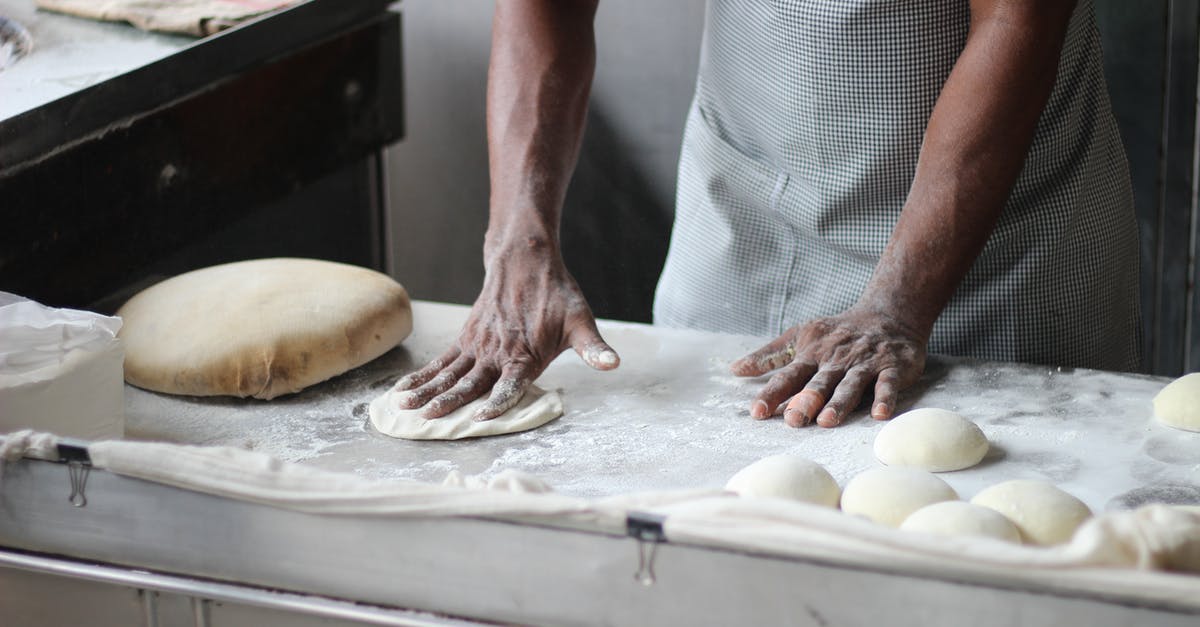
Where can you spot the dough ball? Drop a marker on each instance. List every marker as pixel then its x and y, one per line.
pixel 931 439
pixel 786 477
pixel 1178 404
pixel 1042 513
pixel 959 518
pixel 536 408
pixel 260 328
pixel 888 495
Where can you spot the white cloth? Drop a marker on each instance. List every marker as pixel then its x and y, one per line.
pixel 1099 559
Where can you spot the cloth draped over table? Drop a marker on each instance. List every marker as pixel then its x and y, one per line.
pixel 1142 553
pixel 189 17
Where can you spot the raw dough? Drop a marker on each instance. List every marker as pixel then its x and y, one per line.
pixel 1178 404
pixel 786 477
pixel 931 439
pixel 959 518
pixel 260 328
pixel 888 495
pixel 1043 513
pixel 536 408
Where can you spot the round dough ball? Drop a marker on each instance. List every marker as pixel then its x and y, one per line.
pixel 931 439
pixel 958 518
pixel 888 495
pixel 786 477
pixel 1042 513
pixel 260 328
pixel 1178 404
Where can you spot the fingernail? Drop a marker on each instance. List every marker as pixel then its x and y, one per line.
pixel 795 418
pixel 828 418
pixel 607 358
pixel 406 400
pixel 879 411
pixel 404 383
pixel 759 410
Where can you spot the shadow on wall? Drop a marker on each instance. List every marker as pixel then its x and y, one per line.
pixel 614 233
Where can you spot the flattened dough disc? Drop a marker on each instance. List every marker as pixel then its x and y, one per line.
pixel 536 408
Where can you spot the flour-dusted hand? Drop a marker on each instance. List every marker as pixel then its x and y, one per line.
pixel 974 147
pixel 530 311
pixel 826 366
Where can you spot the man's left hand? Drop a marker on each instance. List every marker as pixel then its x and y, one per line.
pixel 826 366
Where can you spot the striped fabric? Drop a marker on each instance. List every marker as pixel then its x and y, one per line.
pixel 800 148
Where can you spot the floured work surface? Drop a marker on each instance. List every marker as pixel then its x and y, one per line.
pixel 672 417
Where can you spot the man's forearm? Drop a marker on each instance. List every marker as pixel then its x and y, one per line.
pixel 542 62
pixel 975 145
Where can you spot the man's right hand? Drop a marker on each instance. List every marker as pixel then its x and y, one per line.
pixel 530 311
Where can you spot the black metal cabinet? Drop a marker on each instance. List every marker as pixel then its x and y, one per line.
pixel 261 141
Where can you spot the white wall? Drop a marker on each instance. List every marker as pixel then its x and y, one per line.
pixel 621 199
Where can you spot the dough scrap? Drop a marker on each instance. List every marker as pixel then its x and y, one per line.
pixel 888 495
pixel 931 439
pixel 1043 513
pixel 535 409
pixel 786 477
pixel 1178 404
pixel 260 328
pixel 959 518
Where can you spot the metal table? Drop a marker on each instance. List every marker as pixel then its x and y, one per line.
pixel 673 417
pixel 670 417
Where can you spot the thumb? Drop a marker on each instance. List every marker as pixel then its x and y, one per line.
pixel 592 348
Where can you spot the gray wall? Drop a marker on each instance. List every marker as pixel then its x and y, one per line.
pixel 619 207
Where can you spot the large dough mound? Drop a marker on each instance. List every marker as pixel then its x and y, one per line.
pixel 260 328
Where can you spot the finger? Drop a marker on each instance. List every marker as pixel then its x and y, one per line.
pixel 507 392
pixel 442 382
pixel 803 407
pixel 781 385
pixel 592 348
pixel 469 388
pixel 778 353
pixel 845 397
pixel 426 373
pixel 887 389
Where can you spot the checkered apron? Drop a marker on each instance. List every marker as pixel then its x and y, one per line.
pixel 800 148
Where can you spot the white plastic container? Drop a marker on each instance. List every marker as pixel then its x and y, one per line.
pixel 61 371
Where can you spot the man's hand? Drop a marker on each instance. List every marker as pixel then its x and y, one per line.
pixel 530 311
pixel 973 150
pixel 826 366
pixel 530 308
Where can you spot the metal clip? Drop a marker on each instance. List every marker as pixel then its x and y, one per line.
pixel 75 455
pixel 646 529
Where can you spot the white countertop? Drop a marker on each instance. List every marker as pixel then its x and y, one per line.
pixel 672 417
